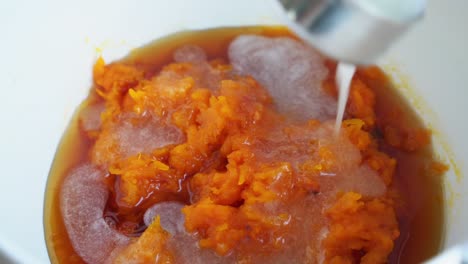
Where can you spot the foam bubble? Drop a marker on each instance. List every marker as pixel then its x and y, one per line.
pixel 172 219
pixel 189 53
pixel 145 136
pixel 90 117
pixel 202 72
pixel 362 180
pixel 183 244
pixel 83 198
pixel 130 134
pixel 349 174
pixel 291 71
pixel 187 250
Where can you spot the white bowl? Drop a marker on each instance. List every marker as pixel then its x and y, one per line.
pixel 48 47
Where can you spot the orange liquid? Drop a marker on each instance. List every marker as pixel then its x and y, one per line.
pixel 420 219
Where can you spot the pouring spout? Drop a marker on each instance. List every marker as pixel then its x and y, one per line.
pixel 353 31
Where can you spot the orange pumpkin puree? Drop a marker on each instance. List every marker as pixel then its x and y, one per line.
pixel 238 198
pixel 224 208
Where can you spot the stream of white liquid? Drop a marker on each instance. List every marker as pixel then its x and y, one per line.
pixel 344 74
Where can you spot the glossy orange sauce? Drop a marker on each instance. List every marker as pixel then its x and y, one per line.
pixel 398 131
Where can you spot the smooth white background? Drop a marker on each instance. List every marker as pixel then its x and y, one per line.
pixel 47 49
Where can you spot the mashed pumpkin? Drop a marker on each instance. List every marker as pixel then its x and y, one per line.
pixel 202 162
pixel 220 138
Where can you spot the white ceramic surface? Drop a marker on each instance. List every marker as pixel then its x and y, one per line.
pixel 47 49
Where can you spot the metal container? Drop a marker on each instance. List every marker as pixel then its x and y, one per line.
pixel 354 31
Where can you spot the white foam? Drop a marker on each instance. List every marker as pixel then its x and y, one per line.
pixel 187 250
pixel 90 117
pixel 190 53
pixel 291 71
pixel 347 156
pixel 145 136
pixel 349 174
pixel 202 72
pixel 131 134
pixel 172 219
pixel 183 244
pixel 363 180
pixel 83 198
